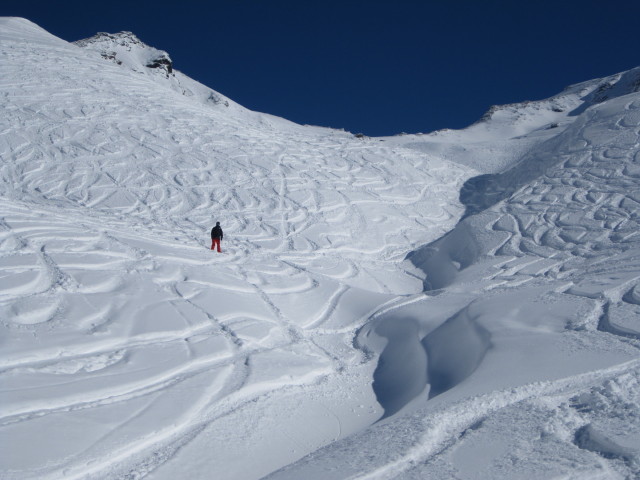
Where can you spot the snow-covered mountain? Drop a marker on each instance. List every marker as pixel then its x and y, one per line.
pixel 125 49
pixel 462 304
pixel 490 144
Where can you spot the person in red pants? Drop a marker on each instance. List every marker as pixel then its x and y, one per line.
pixel 216 236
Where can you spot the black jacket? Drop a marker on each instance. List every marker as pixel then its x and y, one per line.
pixel 216 232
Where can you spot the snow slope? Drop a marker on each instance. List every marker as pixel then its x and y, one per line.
pixel 506 348
pixel 116 314
pixel 530 329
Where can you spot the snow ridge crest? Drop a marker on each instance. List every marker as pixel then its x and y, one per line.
pixel 587 93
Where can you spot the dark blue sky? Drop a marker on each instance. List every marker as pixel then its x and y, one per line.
pixel 376 67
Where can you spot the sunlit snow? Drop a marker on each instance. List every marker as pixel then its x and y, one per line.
pixel 463 304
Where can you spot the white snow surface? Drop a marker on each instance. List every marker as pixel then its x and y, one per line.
pixel 463 304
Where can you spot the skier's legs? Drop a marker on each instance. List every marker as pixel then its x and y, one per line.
pixel 216 242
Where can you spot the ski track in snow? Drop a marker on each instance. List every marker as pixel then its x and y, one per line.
pixel 110 296
pixel 441 431
pixel 558 260
pixel 127 335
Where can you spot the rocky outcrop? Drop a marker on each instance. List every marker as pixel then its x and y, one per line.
pixel 125 48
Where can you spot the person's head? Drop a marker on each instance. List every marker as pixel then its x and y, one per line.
pixel 217 224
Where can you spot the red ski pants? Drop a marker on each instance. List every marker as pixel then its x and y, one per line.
pixel 215 242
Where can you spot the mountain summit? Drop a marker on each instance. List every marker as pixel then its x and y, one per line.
pixel 128 51
pixel 125 48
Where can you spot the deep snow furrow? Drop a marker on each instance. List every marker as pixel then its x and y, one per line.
pixel 329 309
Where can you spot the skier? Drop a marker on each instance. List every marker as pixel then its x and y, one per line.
pixel 216 236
